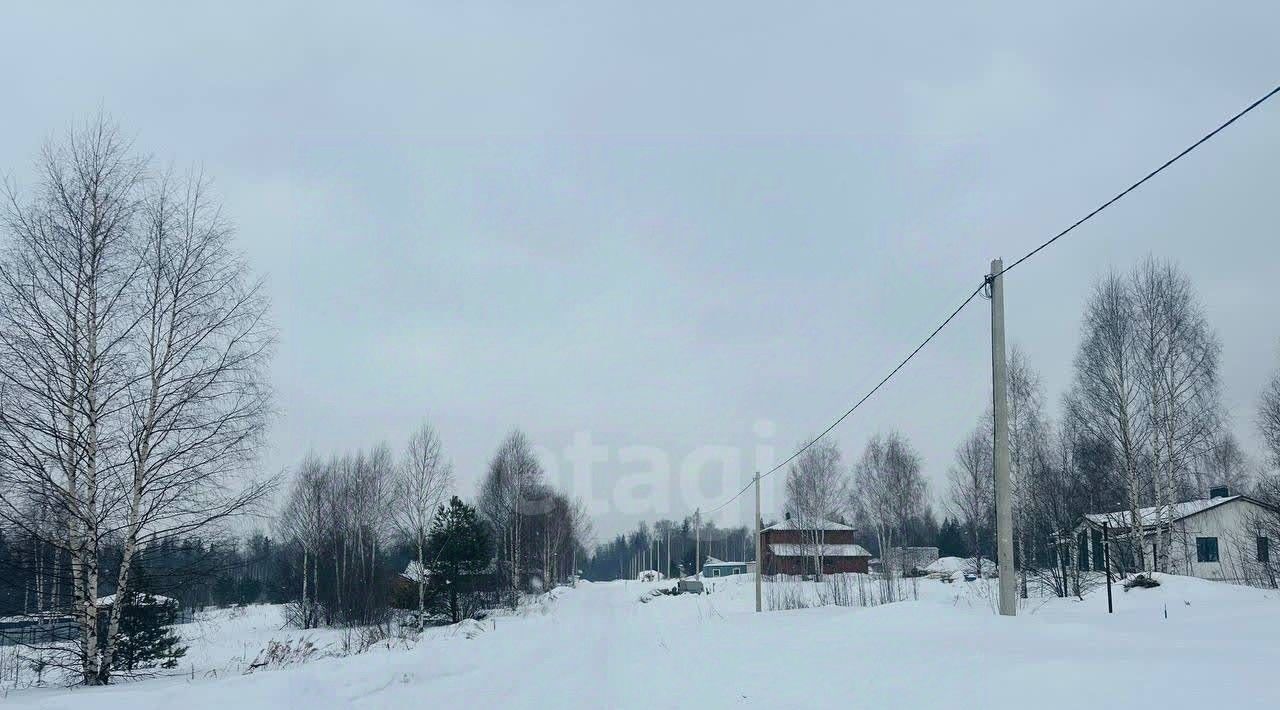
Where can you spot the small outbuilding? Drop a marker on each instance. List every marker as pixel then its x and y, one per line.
pixel 720 568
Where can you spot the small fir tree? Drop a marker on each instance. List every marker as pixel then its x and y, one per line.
pixel 458 553
pixel 147 637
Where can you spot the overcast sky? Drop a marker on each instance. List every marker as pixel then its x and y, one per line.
pixel 684 225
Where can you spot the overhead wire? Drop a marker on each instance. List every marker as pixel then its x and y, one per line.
pixel 1185 151
pixel 1120 195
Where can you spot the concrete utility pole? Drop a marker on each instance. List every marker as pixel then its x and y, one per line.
pixel 668 552
pixel 1004 503
pixel 758 557
pixel 697 543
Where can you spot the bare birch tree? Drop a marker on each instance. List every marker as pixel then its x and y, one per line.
pixel 817 490
pixel 132 346
pixel 65 285
pixel 1108 391
pixel 338 513
pixel 1178 361
pixel 507 497
pixel 972 498
pixel 1268 486
pixel 305 520
pixel 1028 435
pixel 1057 497
pixel 889 489
pixel 198 398
pixel 1269 419
pixel 425 479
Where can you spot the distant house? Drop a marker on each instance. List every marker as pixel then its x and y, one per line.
pixel 790 547
pixel 1219 538
pixel 414 573
pixel 719 568
pixel 52 626
pixel 41 627
pixel 141 600
pixel 404 586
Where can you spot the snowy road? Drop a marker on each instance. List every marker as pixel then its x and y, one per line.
pixel 598 647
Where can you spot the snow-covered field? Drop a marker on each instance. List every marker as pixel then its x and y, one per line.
pixel 1189 643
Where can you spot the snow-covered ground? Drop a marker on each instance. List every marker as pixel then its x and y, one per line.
pixel 598 647
pixel 961 565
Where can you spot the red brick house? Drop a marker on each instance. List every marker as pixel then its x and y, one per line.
pixel 792 548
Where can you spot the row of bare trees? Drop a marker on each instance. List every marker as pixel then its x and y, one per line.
pixel 884 492
pixel 539 531
pixel 133 396
pixel 1147 385
pixel 350 516
pixel 344 511
pixel 1142 425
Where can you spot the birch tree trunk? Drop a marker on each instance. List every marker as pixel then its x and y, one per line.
pixel 422 583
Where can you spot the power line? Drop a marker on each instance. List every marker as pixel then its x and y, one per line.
pixel 865 397
pixel 1008 268
pixel 1204 139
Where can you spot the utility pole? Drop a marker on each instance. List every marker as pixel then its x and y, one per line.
pixel 757 542
pixel 668 552
pixel 1004 503
pixel 697 543
pixel 1106 562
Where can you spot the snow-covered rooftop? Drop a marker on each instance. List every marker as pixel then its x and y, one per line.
pixel 35 617
pixel 142 599
pixel 1150 516
pixel 712 562
pixel 782 549
pixel 820 524
pixel 414 572
pixel 958 564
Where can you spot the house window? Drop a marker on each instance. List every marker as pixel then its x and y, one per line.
pixel 1264 550
pixel 1206 549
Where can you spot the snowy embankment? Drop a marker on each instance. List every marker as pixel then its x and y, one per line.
pixel 1188 643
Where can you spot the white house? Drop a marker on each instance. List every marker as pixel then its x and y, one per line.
pixel 1219 538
